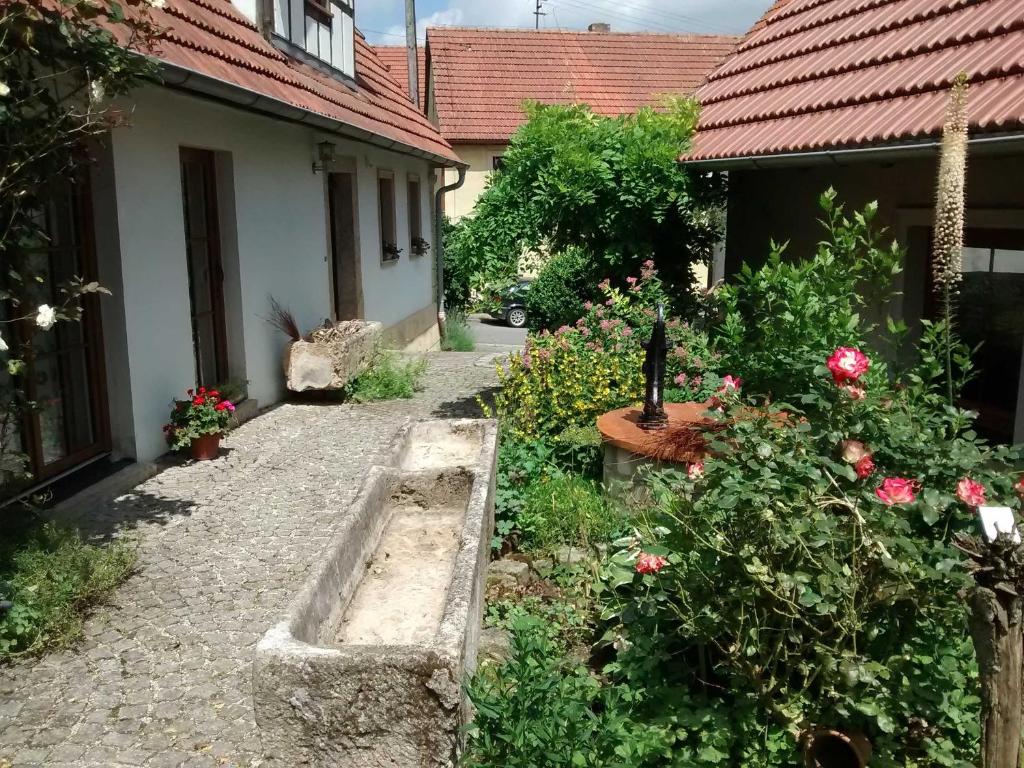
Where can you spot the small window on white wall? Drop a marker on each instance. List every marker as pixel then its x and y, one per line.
pixel 419 244
pixel 324 29
pixel 386 204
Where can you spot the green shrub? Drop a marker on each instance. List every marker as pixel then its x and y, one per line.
pixel 458 337
pixel 556 297
pixel 388 378
pixel 520 463
pixel 54 580
pixel 568 378
pixel 565 509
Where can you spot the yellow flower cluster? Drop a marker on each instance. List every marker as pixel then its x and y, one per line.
pixel 553 386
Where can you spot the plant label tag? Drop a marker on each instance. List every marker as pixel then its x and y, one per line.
pixel 996 520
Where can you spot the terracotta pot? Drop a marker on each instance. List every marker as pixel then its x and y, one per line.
pixel 835 749
pixel 206 447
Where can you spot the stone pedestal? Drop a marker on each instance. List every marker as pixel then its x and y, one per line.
pixel 629 450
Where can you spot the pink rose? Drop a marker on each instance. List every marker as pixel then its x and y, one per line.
pixel 855 393
pixel 731 384
pixel 897 490
pixel 695 470
pixel 650 563
pixel 848 364
pixel 865 467
pixel 970 492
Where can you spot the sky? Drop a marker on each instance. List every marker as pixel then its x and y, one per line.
pixel 383 21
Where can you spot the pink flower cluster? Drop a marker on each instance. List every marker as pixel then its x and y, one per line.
pixel 847 365
pixel 646 563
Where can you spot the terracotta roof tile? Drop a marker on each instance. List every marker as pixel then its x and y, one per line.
pixel 396 59
pixel 212 38
pixel 834 74
pixel 483 76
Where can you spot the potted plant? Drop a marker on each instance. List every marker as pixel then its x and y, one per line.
pixel 198 423
pixel 420 246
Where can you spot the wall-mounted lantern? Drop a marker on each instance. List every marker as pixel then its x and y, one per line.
pixel 324 155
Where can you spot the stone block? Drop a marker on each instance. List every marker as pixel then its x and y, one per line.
pixel 332 357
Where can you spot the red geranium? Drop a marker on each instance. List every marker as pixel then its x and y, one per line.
pixel 650 563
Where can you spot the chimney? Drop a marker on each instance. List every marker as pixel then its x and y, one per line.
pixel 599 26
pixel 410 44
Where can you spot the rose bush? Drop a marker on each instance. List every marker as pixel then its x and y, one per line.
pixel 808 577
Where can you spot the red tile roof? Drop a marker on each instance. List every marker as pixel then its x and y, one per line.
pixel 212 38
pixel 482 76
pixel 819 75
pixel 396 59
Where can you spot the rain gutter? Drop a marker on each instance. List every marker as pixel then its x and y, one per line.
pixel 439 241
pixel 843 156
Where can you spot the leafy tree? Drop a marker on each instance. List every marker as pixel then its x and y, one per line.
pixel 610 186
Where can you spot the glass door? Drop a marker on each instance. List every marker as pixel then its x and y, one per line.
pixel 205 272
pixel 64 377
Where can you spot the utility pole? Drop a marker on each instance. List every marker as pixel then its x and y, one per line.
pixel 538 13
pixel 410 45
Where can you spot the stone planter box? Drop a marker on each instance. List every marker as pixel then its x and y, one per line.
pixel 366 668
pixel 331 357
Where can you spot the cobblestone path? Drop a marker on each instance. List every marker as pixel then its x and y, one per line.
pixel 163 675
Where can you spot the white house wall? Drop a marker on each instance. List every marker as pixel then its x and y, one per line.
pixel 280 233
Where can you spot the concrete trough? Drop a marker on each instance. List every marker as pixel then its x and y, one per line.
pixel 367 666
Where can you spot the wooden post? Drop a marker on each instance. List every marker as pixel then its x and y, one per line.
pixel 997 630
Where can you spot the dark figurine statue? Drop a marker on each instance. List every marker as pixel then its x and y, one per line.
pixel 654 416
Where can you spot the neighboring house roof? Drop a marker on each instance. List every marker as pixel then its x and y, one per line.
pixel 396 59
pixel 821 75
pixel 481 77
pixel 212 39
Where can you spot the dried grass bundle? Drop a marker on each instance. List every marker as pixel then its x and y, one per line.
pixel 681 443
pixel 282 319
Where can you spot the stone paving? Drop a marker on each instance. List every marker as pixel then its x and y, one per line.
pixel 163 675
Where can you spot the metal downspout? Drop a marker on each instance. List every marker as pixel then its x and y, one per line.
pixel 439 241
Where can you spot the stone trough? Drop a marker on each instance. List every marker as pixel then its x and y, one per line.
pixel 367 667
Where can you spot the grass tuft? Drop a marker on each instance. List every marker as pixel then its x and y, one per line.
pixel 54 581
pixel 458 337
pixel 389 377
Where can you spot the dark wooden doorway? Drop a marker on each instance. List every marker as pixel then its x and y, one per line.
pixel 205 269
pixel 344 254
pixel 65 375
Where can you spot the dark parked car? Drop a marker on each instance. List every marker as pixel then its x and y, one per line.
pixel 511 304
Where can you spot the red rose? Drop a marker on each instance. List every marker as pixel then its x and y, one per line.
pixel 847 364
pixel 970 492
pixel 897 490
pixel 650 563
pixel 865 467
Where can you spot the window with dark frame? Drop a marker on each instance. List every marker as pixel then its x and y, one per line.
pixel 416 241
pixel 323 29
pixel 498 162
pixel 386 204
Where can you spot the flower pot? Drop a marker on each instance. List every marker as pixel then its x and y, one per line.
pixel 206 447
pixel 834 749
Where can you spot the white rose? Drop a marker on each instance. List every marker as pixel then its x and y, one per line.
pixel 46 316
pixel 3 344
pixel 5 89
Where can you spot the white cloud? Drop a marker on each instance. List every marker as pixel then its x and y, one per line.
pixel 701 16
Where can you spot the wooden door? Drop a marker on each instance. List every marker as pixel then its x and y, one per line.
pixel 205 270
pixel 344 255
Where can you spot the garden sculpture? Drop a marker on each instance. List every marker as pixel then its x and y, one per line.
pixel 654 416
